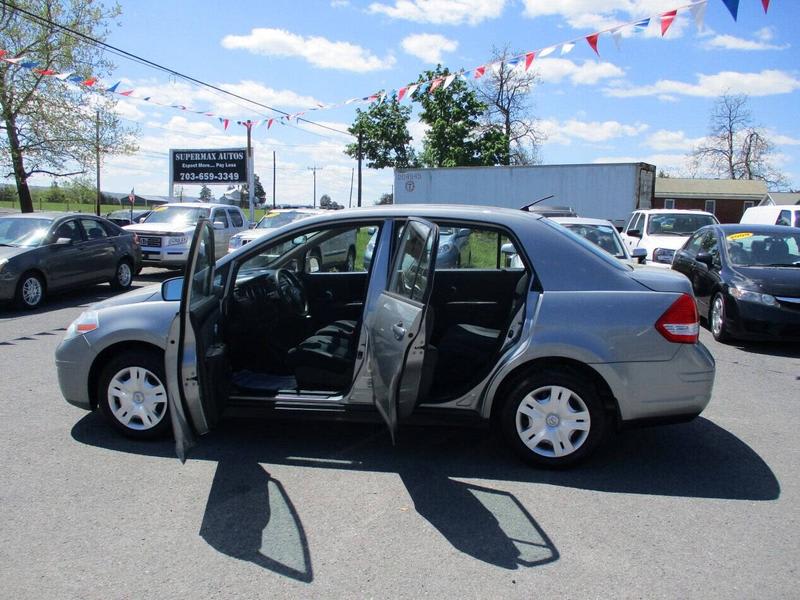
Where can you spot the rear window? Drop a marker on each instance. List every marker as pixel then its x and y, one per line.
pixel 602 254
pixel 677 224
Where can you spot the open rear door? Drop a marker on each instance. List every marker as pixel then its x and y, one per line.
pixel 195 357
pixel 398 332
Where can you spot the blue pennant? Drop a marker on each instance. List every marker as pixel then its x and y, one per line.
pixel 733 6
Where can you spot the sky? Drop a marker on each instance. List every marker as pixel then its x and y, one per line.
pixel 647 101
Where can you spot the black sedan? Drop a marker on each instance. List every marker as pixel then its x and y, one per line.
pixel 43 253
pixel 128 217
pixel 746 279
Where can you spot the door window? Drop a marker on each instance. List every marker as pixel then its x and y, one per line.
pixel 710 245
pixel 693 247
pixel 784 218
pixel 475 248
pixel 94 229
pixel 68 229
pixel 202 288
pixel 236 217
pixel 636 222
pixel 219 215
pixel 410 269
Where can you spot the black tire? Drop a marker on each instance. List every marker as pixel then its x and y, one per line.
pixel 123 275
pixel 30 291
pixel 582 394
pixel 720 330
pixel 140 424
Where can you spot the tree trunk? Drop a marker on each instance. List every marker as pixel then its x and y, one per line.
pixel 24 193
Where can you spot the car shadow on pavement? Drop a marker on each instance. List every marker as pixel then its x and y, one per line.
pixel 249 515
pixel 782 349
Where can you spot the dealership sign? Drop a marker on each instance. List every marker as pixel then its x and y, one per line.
pixel 220 166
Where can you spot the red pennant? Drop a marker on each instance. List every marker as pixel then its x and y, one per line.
pixel 436 83
pixel 126 93
pixel 529 59
pixel 592 39
pixel 765 4
pixel 401 93
pixel 666 20
pixel 3 53
pixel 90 82
pixel 270 122
pixel 479 72
pixel 44 71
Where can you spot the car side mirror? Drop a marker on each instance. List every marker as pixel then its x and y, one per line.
pixel 635 233
pixel 464 232
pixel 219 225
pixel 640 254
pixel 705 258
pixel 64 241
pixel 171 289
pixel 372 229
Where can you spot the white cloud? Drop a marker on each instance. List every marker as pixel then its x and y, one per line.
pixel 780 139
pixel 429 46
pixel 589 72
pixel 318 51
pixel 441 12
pixel 674 164
pixel 664 139
pixel 731 42
pixel 766 83
pixel 564 132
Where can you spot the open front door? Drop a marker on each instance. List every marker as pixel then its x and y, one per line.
pixel 398 332
pixel 195 358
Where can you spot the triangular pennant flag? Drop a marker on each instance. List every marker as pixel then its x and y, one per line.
pixel 592 40
pixel 3 53
pixel 616 35
pixel 29 64
pixel 147 98
pixel 401 93
pixel 733 6
pixel 225 123
pixel 270 122
pixel 63 76
pixel 642 25
pixel 90 82
pixel 352 100
pixel 288 117
pixel 529 59
pixel 497 67
pixel 412 88
pixel 567 48
pixel 513 63
pixel 75 78
pixel 113 88
pixel 129 92
pixel 448 80
pixel 44 71
pixel 436 83
pixel 479 72
pixel 666 20
pixel 765 4
pixel 15 61
pixel 699 13
pixel 547 51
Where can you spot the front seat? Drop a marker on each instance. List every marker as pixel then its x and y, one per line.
pixel 322 362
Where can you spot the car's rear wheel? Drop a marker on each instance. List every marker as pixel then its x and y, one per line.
pixel 554 418
pixel 132 394
pixel 716 319
pixel 30 291
pixel 123 276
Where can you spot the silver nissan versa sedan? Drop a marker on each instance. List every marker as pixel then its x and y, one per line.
pixel 556 353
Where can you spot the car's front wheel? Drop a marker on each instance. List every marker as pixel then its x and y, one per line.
pixel 716 319
pixel 30 291
pixel 123 276
pixel 132 394
pixel 554 418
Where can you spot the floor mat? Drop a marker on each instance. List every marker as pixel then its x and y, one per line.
pixel 264 382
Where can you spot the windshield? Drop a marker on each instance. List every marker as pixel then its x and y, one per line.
pixel 602 236
pixel 273 220
pixel 177 215
pixel 677 223
pixel 23 232
pixel 751 249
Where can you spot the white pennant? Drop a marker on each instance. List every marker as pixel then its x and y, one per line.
pixel 616 34
pixel 566 48
pixel 546 51
pixel 411 89
pixel 497 67
pixel 448 80
pixel 699 13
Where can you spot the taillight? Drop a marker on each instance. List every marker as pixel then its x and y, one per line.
pixel 680 323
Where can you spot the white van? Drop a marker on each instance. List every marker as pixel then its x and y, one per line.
pixel 773 215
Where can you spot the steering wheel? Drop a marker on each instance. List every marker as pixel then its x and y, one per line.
pixel 291 292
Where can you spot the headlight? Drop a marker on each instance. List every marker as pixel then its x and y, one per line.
pixel 748 296
pixel 177 241
pixel 663 255
pixel 86 322
pixel 234 243
pixel 444 248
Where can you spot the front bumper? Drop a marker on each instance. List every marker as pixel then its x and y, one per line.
pixel 169 256
pixel 760 322
pixel 74 358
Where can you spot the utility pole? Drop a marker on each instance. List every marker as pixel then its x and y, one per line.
pixel 273 179
pixel 359 168
pixel 314 170
pixel 350 203
pixel 97 160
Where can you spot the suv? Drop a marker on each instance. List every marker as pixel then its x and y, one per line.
pixel 166 234
pixel 662 231
pixel 772 215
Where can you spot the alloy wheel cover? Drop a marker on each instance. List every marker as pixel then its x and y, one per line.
pixel 137 398
pixel 553 421
pixel 32 291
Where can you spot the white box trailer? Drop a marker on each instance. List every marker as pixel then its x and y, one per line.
pixel 603 191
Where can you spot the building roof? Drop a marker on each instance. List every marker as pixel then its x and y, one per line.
pixel 711 189
pixel 784 198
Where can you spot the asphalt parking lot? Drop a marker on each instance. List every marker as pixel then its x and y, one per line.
pixel 298 509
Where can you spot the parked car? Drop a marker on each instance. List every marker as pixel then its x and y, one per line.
pixel 746 280
pixel 45 253
pixel 556 353
pixel 772 215
pixel 662 231
pixel 166 233
pixel 272 220
pixel 128 217
pixel 604 235
pixel 454 248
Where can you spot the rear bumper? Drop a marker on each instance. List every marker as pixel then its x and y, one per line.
pixel 677 389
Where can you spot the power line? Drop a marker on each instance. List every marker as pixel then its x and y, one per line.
pixel 142 60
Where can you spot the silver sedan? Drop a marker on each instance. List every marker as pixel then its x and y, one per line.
pixel 555 353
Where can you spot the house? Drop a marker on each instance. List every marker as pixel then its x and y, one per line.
pixel 781 199
pixel 725 198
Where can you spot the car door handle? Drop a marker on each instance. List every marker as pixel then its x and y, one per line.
pixel 399 331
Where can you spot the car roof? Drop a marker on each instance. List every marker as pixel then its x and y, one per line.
pixel 673 211
pixel 581 221
pixel 755 228
pixel 52 215
pixel 305 211
pixel 198 205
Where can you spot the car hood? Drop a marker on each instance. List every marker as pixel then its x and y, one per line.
pixel 661 280
pixel 151 293
pixel 253 234
pixel 778 281
pixel 12 251
pixel 671 242
pixel 160 228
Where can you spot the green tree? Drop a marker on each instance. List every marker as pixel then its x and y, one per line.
pixel 456 137
pixel 386 198
pixel 385 140
pixel 205 194
pixel 48 126
pixel 56 193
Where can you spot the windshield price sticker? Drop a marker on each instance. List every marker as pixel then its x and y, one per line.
pixel 222 166
pixel 740 236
